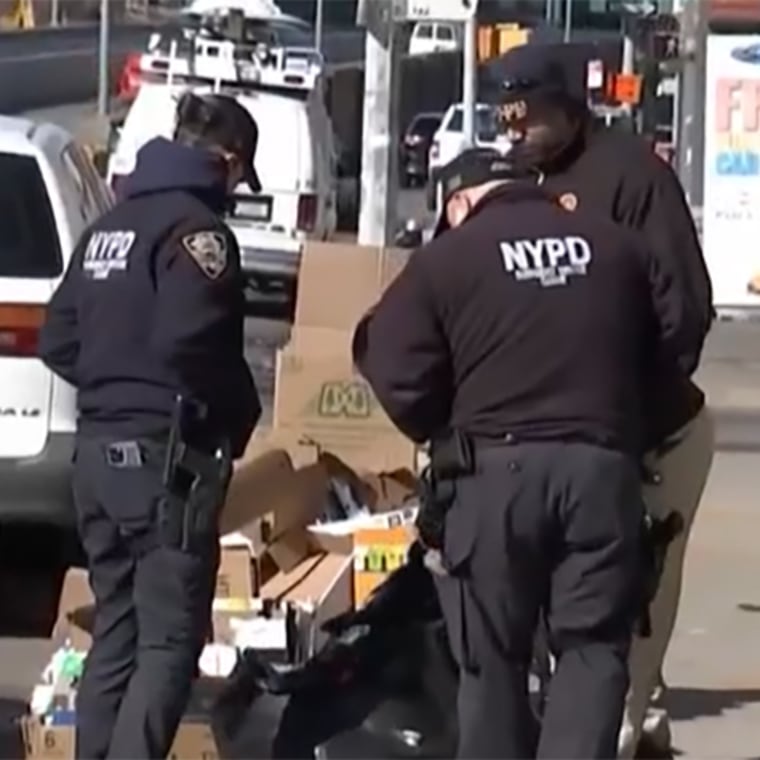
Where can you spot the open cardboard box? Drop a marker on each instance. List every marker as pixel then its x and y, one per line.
pixel 194 739
pixel 318 394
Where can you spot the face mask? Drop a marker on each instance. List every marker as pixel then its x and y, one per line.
pixel 541 148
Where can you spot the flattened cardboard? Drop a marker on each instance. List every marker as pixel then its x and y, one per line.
pixel 338 282
pixel 321 398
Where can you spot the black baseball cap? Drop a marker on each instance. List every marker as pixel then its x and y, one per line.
pixel 472 168
pixel 530 76
pixel 219 120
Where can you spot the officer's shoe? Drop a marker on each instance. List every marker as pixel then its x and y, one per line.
pixel 652 750
pixel 656 740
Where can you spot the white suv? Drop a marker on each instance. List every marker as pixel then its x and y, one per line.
pixel 448 141
pixel 434 37
pixel 49 194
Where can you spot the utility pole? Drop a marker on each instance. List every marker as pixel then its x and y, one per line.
pixel 103 56
pixel 691 99
pixel 549 11
pixel 469 81
pixel 54 13
pixel 379 173
pixel 319 23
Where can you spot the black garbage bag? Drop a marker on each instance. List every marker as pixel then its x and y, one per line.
pixel 384 685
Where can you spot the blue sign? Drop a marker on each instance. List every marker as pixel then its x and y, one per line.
pixel 740 163
pixel 747 54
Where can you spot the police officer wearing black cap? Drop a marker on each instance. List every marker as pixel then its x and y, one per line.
pixel 147 325
pixel 517 342
pixel 617 174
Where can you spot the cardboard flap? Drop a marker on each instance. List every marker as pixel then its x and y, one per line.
pixel 390 490
pixel 310 582
pixel 76 594
pixel 254 484
pixel 338 282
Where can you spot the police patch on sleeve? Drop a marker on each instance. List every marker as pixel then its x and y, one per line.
pixel 209 251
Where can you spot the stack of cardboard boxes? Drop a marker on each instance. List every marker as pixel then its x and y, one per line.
pixel 319 510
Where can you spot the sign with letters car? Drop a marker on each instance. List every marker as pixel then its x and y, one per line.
pixel 731 213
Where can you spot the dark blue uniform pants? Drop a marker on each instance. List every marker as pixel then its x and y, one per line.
pixel 152 614
pixel 553 530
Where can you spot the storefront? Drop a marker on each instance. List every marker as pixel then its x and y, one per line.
pixel 732 169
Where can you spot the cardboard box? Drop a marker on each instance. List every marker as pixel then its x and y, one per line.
pixel 194 741
pixel 322 398
pixel 318 588
pixel 377 553
pixel 46 742
pixel 319 397
pixel 76 594
pixel 339 282
pixel 236 581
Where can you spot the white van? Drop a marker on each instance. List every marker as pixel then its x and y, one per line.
pixel 49 194
pixel 295 161
pixel 434 37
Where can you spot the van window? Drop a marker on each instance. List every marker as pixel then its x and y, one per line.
pixel 486 122
pixel 95 187
pixel 444 32
pixel 424 31
pixel 29 245
pixel 93 200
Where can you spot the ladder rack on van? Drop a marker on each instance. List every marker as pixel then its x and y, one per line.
pixel 198 58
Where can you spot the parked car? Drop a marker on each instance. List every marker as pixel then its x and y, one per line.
pixel 448 140
pixel 50 193
pixel 415 148
pixel 434 37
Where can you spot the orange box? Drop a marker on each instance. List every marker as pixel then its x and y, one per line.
pixel 377 553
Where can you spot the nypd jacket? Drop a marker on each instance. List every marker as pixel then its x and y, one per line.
pixel 530 320
pixel 152 305
pixel 618 175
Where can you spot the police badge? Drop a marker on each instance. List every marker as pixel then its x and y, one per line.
pixel 209 251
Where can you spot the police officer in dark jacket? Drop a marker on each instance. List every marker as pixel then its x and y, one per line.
pixel 148 326
pixel 526 333
pixel 615 173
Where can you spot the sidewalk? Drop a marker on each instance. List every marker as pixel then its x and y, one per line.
pixel 713 667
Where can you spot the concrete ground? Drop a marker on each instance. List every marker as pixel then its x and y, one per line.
pixel 713 666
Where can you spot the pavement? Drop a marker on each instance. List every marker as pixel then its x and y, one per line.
pixel 713 666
